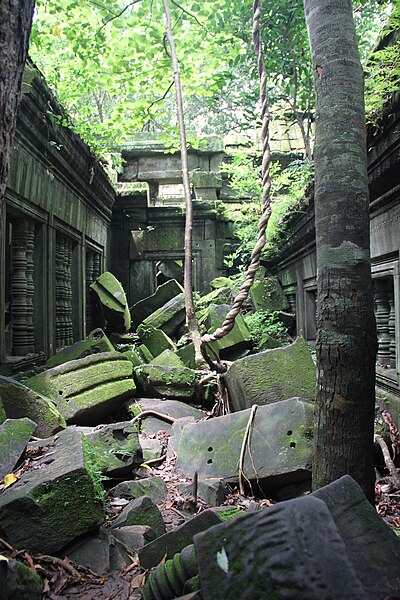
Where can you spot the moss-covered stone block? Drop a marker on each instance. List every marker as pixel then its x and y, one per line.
pixel 168 317
pixel 14 437
pixel 280 445
pixel 87 389
pixel 3 415
pixel 187 355
pixel 96 342
pixel 168 358
pixel 57 501
pixel 112 298
pixel 166 382
pixel 267 293
pixel 154 487
pixel 175 541
pixel 21 401
pixel 134 356
pixel 18 582
pixel 141 511
pixel 239 338
pixel 116 447
pixel 173 408
pixel 271 376
pixel 145 353
pixel 163 294
pixel 155 339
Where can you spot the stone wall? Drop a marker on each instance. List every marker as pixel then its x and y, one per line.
pixel 54 234
pixel 296 266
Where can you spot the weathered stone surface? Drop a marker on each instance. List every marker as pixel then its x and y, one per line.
pixel 155 339
pixel 154 487
pixel 151 448
pixel 113 301
pixel 271 376
pixel 168 358
pixel 280 444
pixel 14 437
pixel 134 356
pixel 20 401
pixel 134 536
pixel 290 550
pixel 374 549
pixel 57 501
pixel 163 294
pixel 17 581
pixel 116 447
pixel 101 552
pixel 169 317
pixel 238 338
pixel 267 293
pixel 172 408
pixel 96 342
pixel 141 511
pixel 89 388
pixel 166 382
pixel 187 355
pixel 145 353
pixel 212 491
pixel 176 540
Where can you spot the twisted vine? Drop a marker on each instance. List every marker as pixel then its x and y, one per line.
pixel 229 322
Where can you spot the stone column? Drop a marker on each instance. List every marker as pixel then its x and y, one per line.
pixel 392 327
pixel 382 312
pixel 22 287
pixel 64 336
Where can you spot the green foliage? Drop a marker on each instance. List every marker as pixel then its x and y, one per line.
pixel 383 70
pixel 288 188
pixel 263 326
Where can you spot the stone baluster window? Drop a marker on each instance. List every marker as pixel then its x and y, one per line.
pixel 64 335
pixel 392 325
pixel 385 322
pixel 93 270
pixel 22 287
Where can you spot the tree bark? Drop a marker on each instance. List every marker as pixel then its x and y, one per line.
pixel 191 319
pixel 15 28
pixel 346 335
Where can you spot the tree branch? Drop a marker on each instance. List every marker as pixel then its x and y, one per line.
pixel 116 16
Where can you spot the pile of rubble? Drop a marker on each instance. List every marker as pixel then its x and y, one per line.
pixel 108 409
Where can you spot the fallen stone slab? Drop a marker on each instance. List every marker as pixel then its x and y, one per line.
pixel 172 408
pixel 154 487
pixel 163 294
pixel 267 293
pixel 167 358
pixel 134 537
pixel 166 382
pixel 279 449
pixel 14 437
pixel 290 550
pixel 134 356
pixel 187 355
pixel 113 302
pixel 168 317
pixel 18 582
pixel 151 448
pixel 271 376
pixel 155 339
pixel 176 540
pixel 96 342
pixel 212 491
pixel 21 401
pixel 239 338
pixel 100 552
pixel 141 511
pixel 374 549
pixel 59 500
pixel 116 447
pixel 87 389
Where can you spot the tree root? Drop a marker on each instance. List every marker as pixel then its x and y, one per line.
pixel 378 439
pixel 244 446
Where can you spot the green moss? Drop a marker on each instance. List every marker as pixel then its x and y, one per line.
pixel 230 513
pixel 93 468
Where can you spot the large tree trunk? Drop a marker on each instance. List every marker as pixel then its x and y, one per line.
pixel 346 336
pixel 15 28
